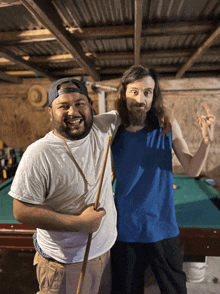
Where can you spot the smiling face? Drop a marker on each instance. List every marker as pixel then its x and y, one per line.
pixel 72 117
pixel 139 98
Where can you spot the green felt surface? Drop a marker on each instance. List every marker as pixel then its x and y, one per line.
pixel 192 203
pixel 6 204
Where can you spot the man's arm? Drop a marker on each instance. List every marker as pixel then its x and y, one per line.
pixel 44 218
pixel 192 164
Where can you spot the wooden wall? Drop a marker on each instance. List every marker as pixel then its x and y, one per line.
pixel 22 123
pixel 184 98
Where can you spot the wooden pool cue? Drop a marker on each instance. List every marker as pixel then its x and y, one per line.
pixel 82 274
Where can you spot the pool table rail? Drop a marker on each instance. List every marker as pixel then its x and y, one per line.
pixel 16 237
pixel 200 242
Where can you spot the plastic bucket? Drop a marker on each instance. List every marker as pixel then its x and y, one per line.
pixel 195 271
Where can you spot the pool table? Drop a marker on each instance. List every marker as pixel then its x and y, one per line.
pixel 197 211
pixel 13 235
pixel 197 206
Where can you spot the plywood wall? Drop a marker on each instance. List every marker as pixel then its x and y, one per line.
pixel 22 123
pixel 186 97
pixel 184 106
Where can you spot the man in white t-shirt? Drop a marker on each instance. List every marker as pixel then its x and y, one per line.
pixel 55 188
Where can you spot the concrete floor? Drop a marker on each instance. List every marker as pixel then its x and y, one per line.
pixel 211 282
pixel 17 276
pixel 17 273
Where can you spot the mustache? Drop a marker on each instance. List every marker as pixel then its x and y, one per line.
pixel 72 117
pixel 137 104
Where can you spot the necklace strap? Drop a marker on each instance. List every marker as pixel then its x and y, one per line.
pixel 76 163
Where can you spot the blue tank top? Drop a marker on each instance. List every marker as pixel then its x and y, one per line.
pixel 144 195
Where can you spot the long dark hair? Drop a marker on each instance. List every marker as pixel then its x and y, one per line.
pixel 134 73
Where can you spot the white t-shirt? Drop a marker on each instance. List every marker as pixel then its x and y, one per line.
pixel 47 175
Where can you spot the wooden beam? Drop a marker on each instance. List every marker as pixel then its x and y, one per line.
pixel 192 84
pixel 66 11
pixel 148 54
pixel 177 28
pixel 123 55
pixel 29 36
pixel 198 52
pixel 155 29
pixel 49 17
pixel 120 70
pixel 7 3
pixel 165 69
pixel 137 30
pixel 13 38
pixel 72 72
pixel 8 78
pixel 113 56
pixel 27 64
pixel 205 67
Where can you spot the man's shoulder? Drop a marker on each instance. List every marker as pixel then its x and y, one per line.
pixel 107 122
pixel 40 142
pixel 110 116
pixel 42 145
pixel 107 119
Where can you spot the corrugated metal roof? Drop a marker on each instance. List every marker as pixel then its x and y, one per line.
pixel 17 18
pixel 112 13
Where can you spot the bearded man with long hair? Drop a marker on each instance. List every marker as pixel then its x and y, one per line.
pixel 148 232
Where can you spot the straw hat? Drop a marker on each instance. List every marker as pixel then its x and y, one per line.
pixel 37 96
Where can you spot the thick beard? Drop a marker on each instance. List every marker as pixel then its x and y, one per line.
pixel 66 132
pixel 137 116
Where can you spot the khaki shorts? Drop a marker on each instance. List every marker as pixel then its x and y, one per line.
pixel 57 278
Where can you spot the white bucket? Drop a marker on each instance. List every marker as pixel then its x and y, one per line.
pixel 195 271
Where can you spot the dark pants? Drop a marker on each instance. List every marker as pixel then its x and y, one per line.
pixel 129 261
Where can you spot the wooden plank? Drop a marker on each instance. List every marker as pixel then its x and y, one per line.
pixel 102 102
pixel 27 73
pixel 43 59
pixel 8 78
pixel 7 3
pixel 91 33
pixel 123 55
pixel 190 84
pixel 27 64
pixel 198 52
pixel 45 12
pixel 29 36
pixel 165 69
pixel 173 28
pixel 120 70
pixel 208 240
pixel 137 30
pixel 103 56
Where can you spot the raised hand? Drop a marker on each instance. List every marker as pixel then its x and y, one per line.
pixel 206 123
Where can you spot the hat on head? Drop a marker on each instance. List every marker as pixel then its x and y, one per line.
pixel 54 91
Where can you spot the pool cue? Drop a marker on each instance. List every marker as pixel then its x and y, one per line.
pixel 82 274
